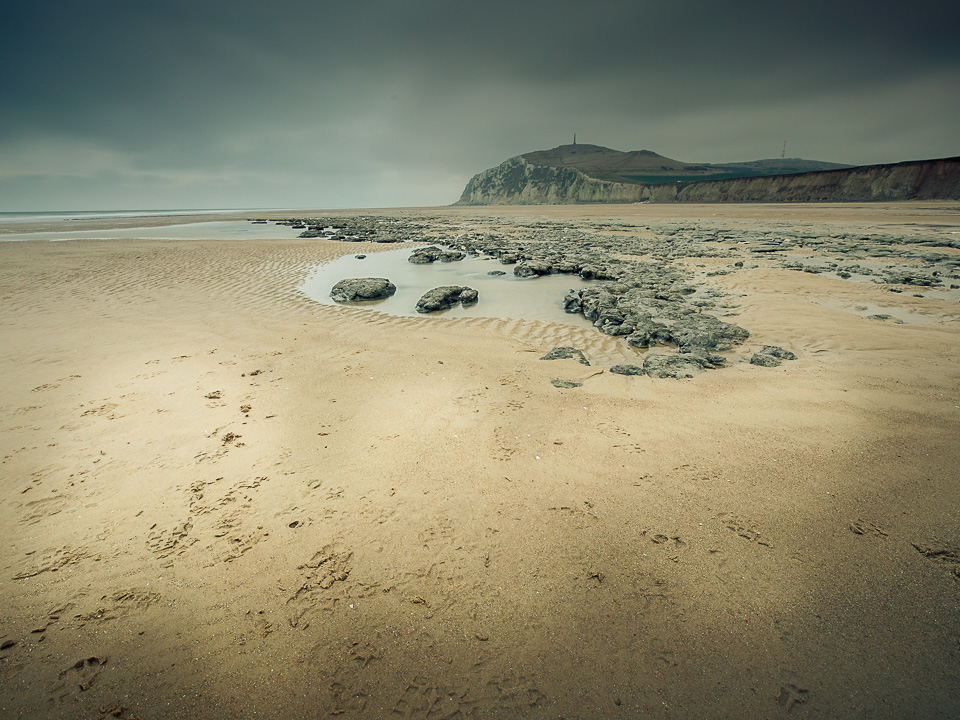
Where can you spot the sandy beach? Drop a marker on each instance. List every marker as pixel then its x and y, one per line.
pixel 223 499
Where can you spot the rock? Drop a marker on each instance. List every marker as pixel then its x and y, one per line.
pixel 496 272
pixel 445 297
pixel 764 360
pixel 709 360
pixel 707 333
pixel 771 355
pixel 778 352
pixel 361 289
pixel 647 333
pixel 452 255
pixel 360 257
pixel 672 366
pixel 627 370
pixel 424 255
pixel 532 268
pixel 558 383
pixel 566 353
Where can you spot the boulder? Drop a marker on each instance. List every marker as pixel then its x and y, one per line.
pixel 362 289
pixel 445 297
pixel 558 383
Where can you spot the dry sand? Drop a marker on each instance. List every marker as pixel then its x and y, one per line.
pixel 223 500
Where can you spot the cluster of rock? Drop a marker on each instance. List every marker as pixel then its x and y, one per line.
pixel 366 289
pixel 648 304
pixel 685 364
pixel 361 228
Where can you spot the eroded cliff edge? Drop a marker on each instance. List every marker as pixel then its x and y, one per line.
pixel 517 182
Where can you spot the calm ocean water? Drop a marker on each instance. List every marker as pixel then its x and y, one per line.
pixel 55 215
pixel 196 229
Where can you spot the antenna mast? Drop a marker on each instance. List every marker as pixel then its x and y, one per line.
pixel 783 153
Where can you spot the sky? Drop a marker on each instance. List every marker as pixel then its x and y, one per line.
pixel 390 103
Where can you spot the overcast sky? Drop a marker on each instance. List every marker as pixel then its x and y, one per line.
pixel 370 103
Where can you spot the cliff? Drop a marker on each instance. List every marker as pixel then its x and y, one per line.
pixel 916 180
pixel 518 182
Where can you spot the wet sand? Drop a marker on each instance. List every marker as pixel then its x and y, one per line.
pixel 222 499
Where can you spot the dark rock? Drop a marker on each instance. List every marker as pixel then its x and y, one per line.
pixel 627 370
pixel 452 255
pixel 442 298
pixel 566 353
pixel 565 383
pixel 360 289
pixel 496 272
pixel 360 257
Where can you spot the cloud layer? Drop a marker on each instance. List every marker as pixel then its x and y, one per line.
pixel 372 103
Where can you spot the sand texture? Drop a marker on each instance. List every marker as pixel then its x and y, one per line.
pixel 221 499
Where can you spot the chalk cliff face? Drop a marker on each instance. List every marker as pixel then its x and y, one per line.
pixel 919 180
pixel 517 182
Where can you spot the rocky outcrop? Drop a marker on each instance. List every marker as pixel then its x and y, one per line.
pixel 517 182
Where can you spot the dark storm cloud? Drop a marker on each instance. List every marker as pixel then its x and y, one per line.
pixel 373 103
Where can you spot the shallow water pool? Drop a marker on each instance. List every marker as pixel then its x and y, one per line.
pixel 503 296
